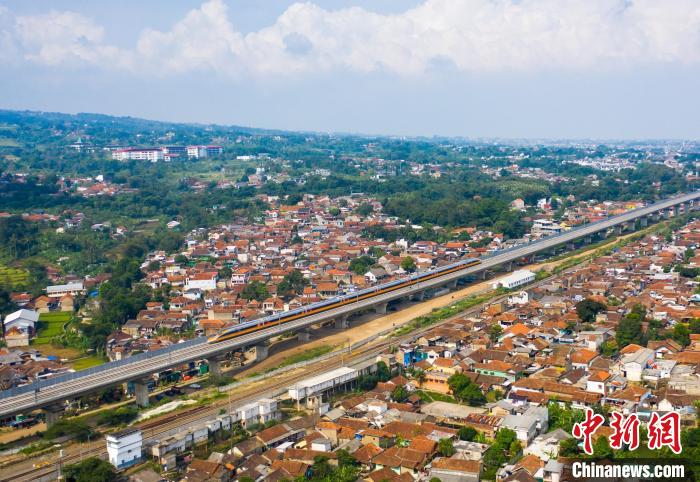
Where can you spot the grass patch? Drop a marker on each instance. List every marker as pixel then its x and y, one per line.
pixel 50 325
pixel 307 355
pixel 444 313
pixel 13 278
pixel 87 362
pixel 427 396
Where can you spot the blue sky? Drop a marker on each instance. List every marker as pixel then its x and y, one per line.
pixel 473 68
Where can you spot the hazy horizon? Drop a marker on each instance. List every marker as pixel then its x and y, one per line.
pixel 473 69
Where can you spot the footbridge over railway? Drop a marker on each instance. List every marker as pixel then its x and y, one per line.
pixel 49 394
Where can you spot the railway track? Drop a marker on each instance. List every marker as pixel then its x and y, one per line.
pixel 164 426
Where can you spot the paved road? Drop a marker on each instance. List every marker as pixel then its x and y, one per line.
pixel 82 383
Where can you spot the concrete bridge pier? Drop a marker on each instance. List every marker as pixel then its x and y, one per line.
pixel 215 365
pixel 141 392
pixel 380 308
pixel 260 352
pixel 509 266
pixel 676 211
pixel 52 413
pixel 452 284
pixel 341 322
pixel 644 221
pixel 419 296
pixel 618 229
pixel 483 274
pixel 570 246
pixel 304 335
pixel 588 240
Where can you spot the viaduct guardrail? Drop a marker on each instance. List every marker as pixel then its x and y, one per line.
pixel 46 392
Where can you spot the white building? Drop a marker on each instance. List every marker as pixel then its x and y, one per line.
pixel 201 152
pixel 545 227
pixel 319 384
pixel 529 425
pixel 634 364
pixel 202 281
pixel 58 291
pixel 24 321
pixel 124 448
pixel 151 154
pixel 261 411
pixel 515 279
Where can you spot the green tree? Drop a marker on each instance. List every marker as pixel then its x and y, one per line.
pixel 654 328
pixel 695 326
pixel 345 458
pixel 383 372
pixel 629 330
pixel 681 334
pixel 588 309
pixel 465 390
pixel 601 448
pixel 399 394
pixel 292 283
pixel 408 264
pixel 446 447
pixel 364 209
pixel 467 433
pixel 225 273
pixel 495 332
pixel 361 265
pixel 255 290
pixel 92 469
pixel 569 448
pixel 75 428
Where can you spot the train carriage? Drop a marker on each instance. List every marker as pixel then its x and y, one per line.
pixel 330 304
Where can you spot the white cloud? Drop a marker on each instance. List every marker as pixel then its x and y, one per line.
pixel 470 35
pixel 65 37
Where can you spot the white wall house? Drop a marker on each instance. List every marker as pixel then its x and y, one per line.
pixel 202 281
pixel 59 291
pixel 124 448
pixel 515 279
pixel 22 320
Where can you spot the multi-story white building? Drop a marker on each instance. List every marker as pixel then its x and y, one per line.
pixel 151 154
pixel 124 448
pixel 545 227
pixel 201 152
pixel 261 411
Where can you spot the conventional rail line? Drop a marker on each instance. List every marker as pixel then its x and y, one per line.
pixel 162 426
pixel 50 391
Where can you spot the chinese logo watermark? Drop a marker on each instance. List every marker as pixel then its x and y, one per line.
pixel 664 431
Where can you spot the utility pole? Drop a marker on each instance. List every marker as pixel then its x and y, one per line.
pixel 60 459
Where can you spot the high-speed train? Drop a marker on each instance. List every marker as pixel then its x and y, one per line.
pixel 329 304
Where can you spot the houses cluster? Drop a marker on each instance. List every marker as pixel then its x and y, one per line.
pixel 295 255
pixel 551 218
pixel 524 354
pixel 23 365
pixel 92 186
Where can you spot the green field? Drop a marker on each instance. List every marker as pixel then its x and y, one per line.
pixel 50 325
pixel 87 362
pixel 12 277
pixel 427 396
